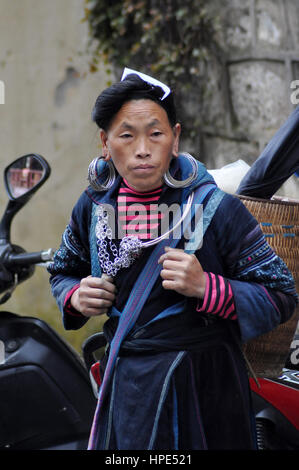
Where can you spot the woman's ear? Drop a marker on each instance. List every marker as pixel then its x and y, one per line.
pixel 104 140
pixel 177 133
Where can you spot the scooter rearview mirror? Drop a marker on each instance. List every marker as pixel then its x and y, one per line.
pixel 22 178
pixel 25 175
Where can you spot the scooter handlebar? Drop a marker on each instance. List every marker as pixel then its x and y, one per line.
pixel 25 259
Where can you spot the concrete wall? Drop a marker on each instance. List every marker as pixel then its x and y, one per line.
pixel 48 100
pixel 248 96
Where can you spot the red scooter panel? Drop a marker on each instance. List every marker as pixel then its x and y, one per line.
pixel 282 396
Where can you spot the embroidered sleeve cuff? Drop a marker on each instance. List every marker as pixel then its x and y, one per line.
pixel 67 307
pixel 218 298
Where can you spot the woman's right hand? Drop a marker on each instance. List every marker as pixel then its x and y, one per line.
pixel 94 296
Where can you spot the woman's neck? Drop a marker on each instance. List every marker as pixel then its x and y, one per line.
pixel 141 192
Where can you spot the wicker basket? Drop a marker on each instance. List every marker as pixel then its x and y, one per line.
pixel 279 220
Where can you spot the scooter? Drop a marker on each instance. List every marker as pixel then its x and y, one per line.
pixel 276 405
pixel 47 401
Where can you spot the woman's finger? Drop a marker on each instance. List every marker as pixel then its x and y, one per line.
pixel 172 265
pixel 170 285
pixel 168 274
pixel 173 254
pixel 99 283
pixel 92 312
pixel 94 293
pixel 96 303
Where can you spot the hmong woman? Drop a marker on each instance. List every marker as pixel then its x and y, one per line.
pixel 179 307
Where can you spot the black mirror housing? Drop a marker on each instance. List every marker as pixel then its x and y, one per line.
pixel 22 178
pixel 25 175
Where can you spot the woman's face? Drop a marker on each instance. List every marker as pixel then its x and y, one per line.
pixel 141 143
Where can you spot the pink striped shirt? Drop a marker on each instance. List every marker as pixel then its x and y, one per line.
pixel 138 212
pixel 218 298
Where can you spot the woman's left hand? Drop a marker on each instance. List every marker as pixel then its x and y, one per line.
pixel 182 272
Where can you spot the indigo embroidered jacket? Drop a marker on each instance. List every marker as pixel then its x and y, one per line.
pixel 194 394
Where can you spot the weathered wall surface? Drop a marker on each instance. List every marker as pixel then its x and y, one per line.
pixel 249 96
pixel 48 102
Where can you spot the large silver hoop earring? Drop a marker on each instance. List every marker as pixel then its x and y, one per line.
pixel 97 171
pixel 173 183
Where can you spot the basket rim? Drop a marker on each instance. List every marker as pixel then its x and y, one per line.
pixel 269 201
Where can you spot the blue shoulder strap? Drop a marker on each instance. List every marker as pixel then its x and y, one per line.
pixel 142 289
pixel 95 265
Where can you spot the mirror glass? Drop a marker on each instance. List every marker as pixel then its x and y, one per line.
pixel 23 175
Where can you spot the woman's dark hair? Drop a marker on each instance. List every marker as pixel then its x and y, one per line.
pixel 109 102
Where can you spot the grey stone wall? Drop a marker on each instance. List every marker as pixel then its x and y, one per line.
pixel 248 94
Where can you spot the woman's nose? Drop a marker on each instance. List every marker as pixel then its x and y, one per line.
pixel 142 148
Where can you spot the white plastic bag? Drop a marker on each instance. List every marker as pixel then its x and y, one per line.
pixel 229 176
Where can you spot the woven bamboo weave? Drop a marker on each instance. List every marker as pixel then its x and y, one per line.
pixel 279 221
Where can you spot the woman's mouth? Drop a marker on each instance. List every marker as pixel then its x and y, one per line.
pixel 144 168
